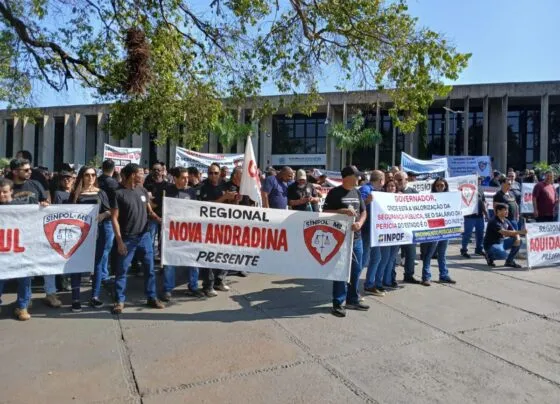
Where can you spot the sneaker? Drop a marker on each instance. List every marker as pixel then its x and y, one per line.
pixel 448 280
pixel 95 303
pixel 76 307
pixel 52 301
pixel 480 253
pixel 222 287
pixel 338 310
pixel 118 308
pixel 357 306
pixel 155 304
pixel 465 254
pixel 426 283
pixel 22 314
pixel 210 293
pixel 490 262
pixel 374 292
pixel 195 293
pixel 512 264
pixel 381 289
pixel 395 285
pixel 411 280
pixel 166 297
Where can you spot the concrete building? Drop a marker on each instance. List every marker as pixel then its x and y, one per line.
pixel 517 124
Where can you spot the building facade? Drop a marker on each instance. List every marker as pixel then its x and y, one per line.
pixel 518 124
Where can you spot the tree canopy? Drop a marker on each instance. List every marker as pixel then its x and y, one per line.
pixel 170 64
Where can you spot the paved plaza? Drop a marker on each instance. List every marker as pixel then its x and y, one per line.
pixel 494 337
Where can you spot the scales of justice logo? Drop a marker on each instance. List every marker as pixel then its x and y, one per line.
pixel 66 231
pixel 323 238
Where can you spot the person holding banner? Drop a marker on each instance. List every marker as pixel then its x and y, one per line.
pixel 476 221
pixel 389 253
pixel 130 209
pixel 345 199
pixel 495 242
pixel 24 284
pixel 439 185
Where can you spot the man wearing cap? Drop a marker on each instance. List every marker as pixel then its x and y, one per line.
pixel 346 199
pixel 301 195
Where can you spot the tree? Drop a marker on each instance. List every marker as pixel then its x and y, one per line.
pixel 229 131
pixel 166 64
pixel 354 136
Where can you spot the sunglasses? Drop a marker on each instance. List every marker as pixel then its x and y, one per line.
pixel 213 172
pixel 89 175
pixel 25 169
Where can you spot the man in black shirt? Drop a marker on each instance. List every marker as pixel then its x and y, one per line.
pixel 36 174
pixel 505 196
pixel 108 184
pixel 301 195
pixel 476 221
pixel 194 177
pixel 346 199
pixel 106 181
pixel 130 209
pixel 155 184
pixel 495 243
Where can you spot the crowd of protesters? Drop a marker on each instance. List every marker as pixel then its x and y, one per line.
pixel 130 215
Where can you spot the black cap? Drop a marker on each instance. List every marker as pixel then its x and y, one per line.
pixel 65 173
pixel 349 170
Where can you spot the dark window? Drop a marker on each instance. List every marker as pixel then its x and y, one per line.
pixel 153 150
pixel 299 134
pixel 476 122
pixel 554 134
pixel 436 133
pixel 523 136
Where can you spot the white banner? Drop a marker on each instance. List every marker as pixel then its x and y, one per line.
pixel 334 178
pixel 122 155
pixel 48 240
pixel 189 158
pixel 241 238
pixel 527 197
pixel 467 165
pixel 410 164
pixel 415 218
pixel 467 185
pixel 250 181
pixel 314 160
pixel 543 244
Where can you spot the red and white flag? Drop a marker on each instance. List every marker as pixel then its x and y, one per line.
pixel 250 180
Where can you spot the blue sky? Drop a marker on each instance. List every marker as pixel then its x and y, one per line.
pixel 511 41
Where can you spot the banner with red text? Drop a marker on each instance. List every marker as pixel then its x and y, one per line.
pixel 48 240
pixel 399 219
pixel 543 244
pixel 122 155
pixel 190 158
pixel 467 185
pixel 241 238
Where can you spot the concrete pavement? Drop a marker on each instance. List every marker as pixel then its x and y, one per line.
pixel 494 336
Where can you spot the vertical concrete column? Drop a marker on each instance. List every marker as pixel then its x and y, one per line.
pixel 48 142
pixel 79 138
pixel 3 129
pixel 543 155
pixel 411 141
pixel 377 126
pixel 336 154
pixel 345 123
pixel 466 109
pixel 266 141
pixel 394 146
pixel 172 154
pixel 503 134
pixel 212 143
pixel 255 136
pixel 447 127
pixel 485 124
pixel 136 140
pixel 18 136
pixel 162 152
pixel 29 137
pixel 100 143
pixel 145 148
pixel 68 155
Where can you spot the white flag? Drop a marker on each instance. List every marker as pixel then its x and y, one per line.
pixel 250 180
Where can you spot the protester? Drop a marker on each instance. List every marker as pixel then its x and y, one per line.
pixel 65 181
pixel 495 181
pixel 224 173
pixel 24 284
pixel 194 177
pixel 345 199
pixel 371 255
pixel 389 253
pixel 545 199
pixel 180 190
pixel 129 214
pixel 476 221
pixel 275 189
pixel 401 179
pixel 495 242
pixel 155 184
pixel 504 195
pixel 439 185
pixel 106 182
pixel 36 173
pixel 302 195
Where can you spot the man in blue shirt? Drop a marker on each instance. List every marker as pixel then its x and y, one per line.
pixel 275 189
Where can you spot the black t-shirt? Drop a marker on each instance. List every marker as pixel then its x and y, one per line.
pixel 493 235
pixel 229 186
pixel 509 200
pixel 209 192
pixel 132 206
pixel 481 205
pixel 107 184
pixel 173 192
pixel 100 199
pixel 156 189
pixel 61 197
pixel 295 193
pixel 341 198
pixel 30 190
pixel 37 175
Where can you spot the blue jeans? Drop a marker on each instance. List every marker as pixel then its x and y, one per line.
pixel 441 248
pixel 514 224
pixel 23 292
pixel 387 264
pixel 366 247
pixel 478 224
pixel 169 278
pixel 374 276
pixel 142 243
pixel 103 246
pixel 499 251
pixel 50 284
pixel 409 257
pixel 349 291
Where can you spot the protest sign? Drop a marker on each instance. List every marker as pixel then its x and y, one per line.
pixel 190 158
pixel 543 244
pixel 527 197
pixel 436 167
pixel 122 155
pixel 467 185
pixel 422 187
pixel 48 240
pixel 334 178
pixel 415 218
pixel 467 165
pixel 241 238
